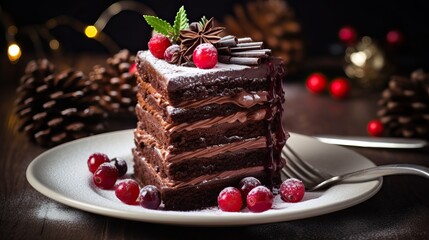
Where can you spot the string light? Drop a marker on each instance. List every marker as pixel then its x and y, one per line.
pixel 90 31
pixel 13 52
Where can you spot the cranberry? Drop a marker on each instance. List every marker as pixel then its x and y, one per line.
pixel 127 191
pixel 259 199
pixel 150 197
pixel 292 190
pixel 169 53
pixel 121 165
pixel 375 128
pixel 158 44
pixel 95 160
pixel 205 56
pixel 316 83
pixel 339 88
pixel 229 200
pixel 105 176
pixel 247 184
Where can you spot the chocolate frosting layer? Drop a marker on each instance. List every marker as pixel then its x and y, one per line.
pixel 180 83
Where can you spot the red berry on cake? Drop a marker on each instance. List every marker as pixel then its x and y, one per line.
pixel 292 190
pixel 339 88
pixel 316 83
pixel 205 56
pixel 105 176
pixel 170 52
pixel 150 197
pixel 259 199
pixel 95 160
pixel 247 184
pixel 127 191
pixel 375 128
pixel 121 165
pixel 158 44
pixel 229 200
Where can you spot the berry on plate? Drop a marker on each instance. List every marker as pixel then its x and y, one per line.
pixel 229 200
pixel 105 176
pixel 259 199
pixel 150 197
pixel 247 184
pixel 292 190
pixel 127 191
pixel 121 165
pixel 375 128
pixel 95 160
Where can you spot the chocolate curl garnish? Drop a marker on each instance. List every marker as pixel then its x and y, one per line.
pixel 242 51
pixel 251 61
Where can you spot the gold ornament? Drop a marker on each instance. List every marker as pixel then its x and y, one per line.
pixel 366 64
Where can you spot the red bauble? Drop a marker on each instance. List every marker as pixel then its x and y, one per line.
pixel 347 34
pixel 375 128
pixel 339 88
pixel 316 83
pixel 133 68
pixel 394 38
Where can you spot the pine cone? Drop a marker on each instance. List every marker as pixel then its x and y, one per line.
pixel 404 109
pixel 116 84
pixel 56 108
pixel 272 22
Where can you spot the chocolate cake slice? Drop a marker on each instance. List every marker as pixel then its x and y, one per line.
pixel 201 130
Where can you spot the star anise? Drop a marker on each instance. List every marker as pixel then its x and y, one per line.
pixel 198 33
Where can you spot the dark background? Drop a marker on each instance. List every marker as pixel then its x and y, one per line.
pixel 320 21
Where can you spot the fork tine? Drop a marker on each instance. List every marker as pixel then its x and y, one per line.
pixel 298 168
pixel 293 170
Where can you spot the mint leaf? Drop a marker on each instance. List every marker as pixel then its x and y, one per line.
pixel 180 22
pixel 159 25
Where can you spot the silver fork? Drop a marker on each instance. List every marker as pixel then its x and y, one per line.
pixel 315 179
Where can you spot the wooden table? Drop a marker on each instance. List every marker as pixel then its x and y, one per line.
pixel 400 210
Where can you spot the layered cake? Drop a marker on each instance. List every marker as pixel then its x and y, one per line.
pixel 209 113
pixel 200 131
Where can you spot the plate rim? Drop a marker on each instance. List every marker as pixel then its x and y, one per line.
pixel 188 218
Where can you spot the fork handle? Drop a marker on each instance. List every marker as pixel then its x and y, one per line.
pixel 385 170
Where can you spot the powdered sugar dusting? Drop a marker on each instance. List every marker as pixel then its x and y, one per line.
pixel 172 71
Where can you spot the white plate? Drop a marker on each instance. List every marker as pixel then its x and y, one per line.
pixel 61 173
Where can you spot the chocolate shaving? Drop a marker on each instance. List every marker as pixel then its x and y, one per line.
pixel 242 51
pixel 239 60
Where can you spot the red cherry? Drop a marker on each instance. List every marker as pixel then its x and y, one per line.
pixel 127 191
pixel 158 44
pixel 105 176
pixel 259 199
pixel 339 88
pixel 95 160
pixel 316 83
pixel 375 128
pixel 347 34
pixel 229 200
pixel 205 56
pixel 394 37
pixel 292 190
